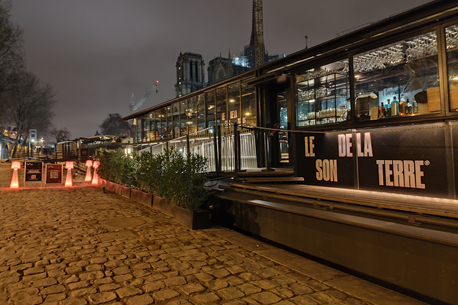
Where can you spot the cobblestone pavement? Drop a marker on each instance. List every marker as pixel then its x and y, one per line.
pixel 82 246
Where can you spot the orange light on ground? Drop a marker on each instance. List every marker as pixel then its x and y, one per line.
pixel 15 165
pixel 68 179
pixel 88 171
pixel 95 178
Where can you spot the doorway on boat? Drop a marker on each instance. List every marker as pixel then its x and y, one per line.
pixel 282 134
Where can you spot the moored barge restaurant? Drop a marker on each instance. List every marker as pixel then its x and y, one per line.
pixel 371 115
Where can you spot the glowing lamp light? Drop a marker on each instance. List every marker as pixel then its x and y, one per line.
pixel 95 178
pixel 88 171
pixel 15 165
pixel 68 179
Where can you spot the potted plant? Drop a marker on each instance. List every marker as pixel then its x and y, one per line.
pixel 117 169
pixel 177 182
pixel 181 189
pixel 144 171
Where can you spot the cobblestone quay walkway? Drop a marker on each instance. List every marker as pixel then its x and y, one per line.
pixel 82 246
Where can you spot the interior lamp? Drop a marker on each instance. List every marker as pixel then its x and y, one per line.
pixel 15 165
pixel 88 171
pixel 95 177
pixel 68 179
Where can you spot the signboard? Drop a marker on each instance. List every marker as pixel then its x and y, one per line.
pixel 54 173
pixel 33 171
pixel 317 161
pixel 396 160
pixel 33 135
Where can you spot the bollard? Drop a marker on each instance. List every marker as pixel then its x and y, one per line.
pixel 95 177
pixel 68 180
pixel 88 171
pixel 15 165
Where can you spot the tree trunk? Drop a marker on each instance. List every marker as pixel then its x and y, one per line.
pixel 16 143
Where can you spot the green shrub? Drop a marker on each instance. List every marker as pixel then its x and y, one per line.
pixel 116 167
pixel 169 175
pixel 189 187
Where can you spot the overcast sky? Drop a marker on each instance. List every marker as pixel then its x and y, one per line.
pixel 96 53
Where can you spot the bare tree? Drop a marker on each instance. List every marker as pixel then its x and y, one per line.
pixel 11 57
pixel 60 135
pixel 29 105
pixel 113 125
pixel 11 60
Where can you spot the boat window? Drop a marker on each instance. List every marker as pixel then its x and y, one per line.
pixel 248 105
pixel 221 105
pixel 176 119
pixel 233 92
pixel 451 36
pixel 191 113
pixel 211 108
pixel 200 108
pixel 322 94
pixel 398 80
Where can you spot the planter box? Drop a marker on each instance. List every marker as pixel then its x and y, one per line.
pixel 110 186
pixel 193 220
pixel 163 205
pixel 113 187
pixel 190 219
pixel 142 197
pixel 124 191
pixel 117 188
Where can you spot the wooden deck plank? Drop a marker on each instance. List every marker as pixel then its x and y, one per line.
pixel 271 179
pixel 387 226
pixel 416 204
pixel 266 174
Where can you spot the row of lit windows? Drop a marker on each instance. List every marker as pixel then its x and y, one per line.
pixel 235 103
pixel 397 80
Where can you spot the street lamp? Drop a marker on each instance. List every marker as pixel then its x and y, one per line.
pixel 68 180
pixel 88 177
pixel 15 165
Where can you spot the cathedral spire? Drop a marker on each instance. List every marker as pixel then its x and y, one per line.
pixel 256 50
pixel 253 29
pixel 229 62
pixel 257 29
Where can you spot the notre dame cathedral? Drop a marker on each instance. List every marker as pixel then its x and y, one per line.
pixel 191 72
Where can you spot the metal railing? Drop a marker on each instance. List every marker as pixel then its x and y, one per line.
pixel 228 147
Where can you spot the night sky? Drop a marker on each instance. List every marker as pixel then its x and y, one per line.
pixel 96 53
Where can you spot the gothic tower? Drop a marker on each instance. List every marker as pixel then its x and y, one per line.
pixel 256 46
pixel 257 29
pixel 190 73
pixel 256 50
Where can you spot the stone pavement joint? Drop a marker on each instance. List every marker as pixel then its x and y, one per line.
pixel 79 246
